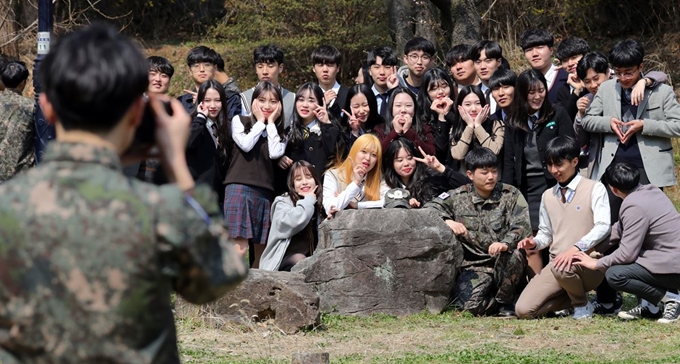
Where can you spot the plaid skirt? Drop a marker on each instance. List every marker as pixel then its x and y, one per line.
pixel 247 212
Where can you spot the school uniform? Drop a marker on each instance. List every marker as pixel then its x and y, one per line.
pixel 335 107
pixel 555 79
pixel 288 103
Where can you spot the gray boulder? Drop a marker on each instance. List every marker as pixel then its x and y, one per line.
pixel 390 261
pixel 282 297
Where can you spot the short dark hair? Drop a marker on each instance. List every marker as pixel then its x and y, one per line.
pixel 503 77
pixel 622 175
pixel 561 148
pixel 161 64
pixel 92 76
pixel 268 53
pixel 480 158
pixel 595 60
pixel 536 37
pixel 627 53
pixel 14 73
pixel 326 54
pixel 459 53
pixel 571 47
pixel 202 54
pixel 389 58
pixel 492 49
pixel 420 44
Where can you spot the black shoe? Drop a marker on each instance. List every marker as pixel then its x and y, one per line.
pixel 639 312
pixel 506 311
pixel 671 312
pixel 616 307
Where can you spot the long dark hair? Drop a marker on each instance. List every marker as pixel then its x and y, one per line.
pixel 432 78
pixel 419 186
pixel 295 131
pixel 374 117
pixel 227 141
pixel 223 123
pixel 527 81
pixel 416 125
pixel 459 124
pixel 309 231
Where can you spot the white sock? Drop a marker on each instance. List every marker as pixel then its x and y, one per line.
pixel 670 296
pixel 652 307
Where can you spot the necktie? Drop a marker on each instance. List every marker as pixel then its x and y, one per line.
pixel 213 132
pixel 533 119
pixel 487 96
pixel 305 132
pixel 383 106
pixel 627 95
pixel 563 192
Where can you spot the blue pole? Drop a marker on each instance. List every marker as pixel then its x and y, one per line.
pixel 43 131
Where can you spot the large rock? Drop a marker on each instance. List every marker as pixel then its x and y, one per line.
pixel 283 297
pixel 389 261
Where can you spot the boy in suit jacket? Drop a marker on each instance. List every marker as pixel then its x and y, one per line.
pixel 645 264
pixel 569 52
pixel 640 134
pixel 326 61
pixel 537 45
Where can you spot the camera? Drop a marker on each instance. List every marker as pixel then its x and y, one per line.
pixel 145 135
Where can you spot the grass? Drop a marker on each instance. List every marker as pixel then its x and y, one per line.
pixel 451 337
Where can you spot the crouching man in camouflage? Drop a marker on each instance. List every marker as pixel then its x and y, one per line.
pixel 489 218
pixel 89 257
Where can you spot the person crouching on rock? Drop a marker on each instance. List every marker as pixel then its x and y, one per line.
pixel 357 181
pixel 293 235
pixel 489 219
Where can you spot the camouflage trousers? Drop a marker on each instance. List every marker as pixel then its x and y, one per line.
pixel 479 289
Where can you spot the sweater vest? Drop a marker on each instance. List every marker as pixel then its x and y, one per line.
pixel 253 168
pixel 572 220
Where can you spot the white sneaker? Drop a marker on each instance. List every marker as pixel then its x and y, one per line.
pixel 583 312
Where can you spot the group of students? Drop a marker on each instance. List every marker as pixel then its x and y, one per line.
pixel 497 155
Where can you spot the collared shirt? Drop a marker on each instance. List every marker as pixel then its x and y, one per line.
pixel 213 133
pixel 336 89
pixel 492 102
pixel 601 216
pixel 503 114
pixel 246 141
pixel 377 97
pixel 531 123
pixel 550 77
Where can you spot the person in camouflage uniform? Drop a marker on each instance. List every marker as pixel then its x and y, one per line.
pixel 90 257
pixel 16 122
pixel 489 218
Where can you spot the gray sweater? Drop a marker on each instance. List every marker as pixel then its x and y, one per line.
pixel 649 230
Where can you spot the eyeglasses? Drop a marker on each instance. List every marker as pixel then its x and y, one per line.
pixel 626 75
pixel 413 57
pixel 206 66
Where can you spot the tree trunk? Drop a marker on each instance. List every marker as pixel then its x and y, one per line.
pixel 401 19
pixel 8 28
pixel 466 22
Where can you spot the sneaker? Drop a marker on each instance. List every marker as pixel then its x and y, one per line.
pixel 583 312
pixel 671 312
pixel 601 310
pixel 639 312
pixel 506 311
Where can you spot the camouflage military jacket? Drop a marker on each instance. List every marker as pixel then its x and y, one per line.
pixel 17 131
pixel 503 217
pixel 89 259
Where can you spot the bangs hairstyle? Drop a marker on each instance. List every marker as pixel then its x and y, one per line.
pixel 202 54
pixel 433 77
pixel 518 117
pixel 622 175
pixel 306 168
pixel 92 76
pixel 419 44
pixel 222 121
pixel 596 61
pixel 326 54
pixel 561 148
pixel 491 49
pixel 570 47
pixel 416 124
pixel 161 65
pixel 374 118
pixel 389 58
pixel 296 128
pixel 269 53
pixel 459 125
pixel 627 53
pixel 459 53
pixel 536 37
pixel 503 77
pixel 418 186
pixel 480 158
pixel 370 143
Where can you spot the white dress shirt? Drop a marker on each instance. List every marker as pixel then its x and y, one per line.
pixel 492 102
pixel 601 217
pixel 550 77
pixel 246 141
pixel 336 89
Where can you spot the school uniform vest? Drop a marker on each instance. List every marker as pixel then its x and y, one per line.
pixel 571 221
pixel 342 185
pixel 254 168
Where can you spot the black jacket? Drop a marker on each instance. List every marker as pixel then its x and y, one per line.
pixel 203 158
pixel 568 99
pixel 560 80
pixel 514 165
pixel 336 109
